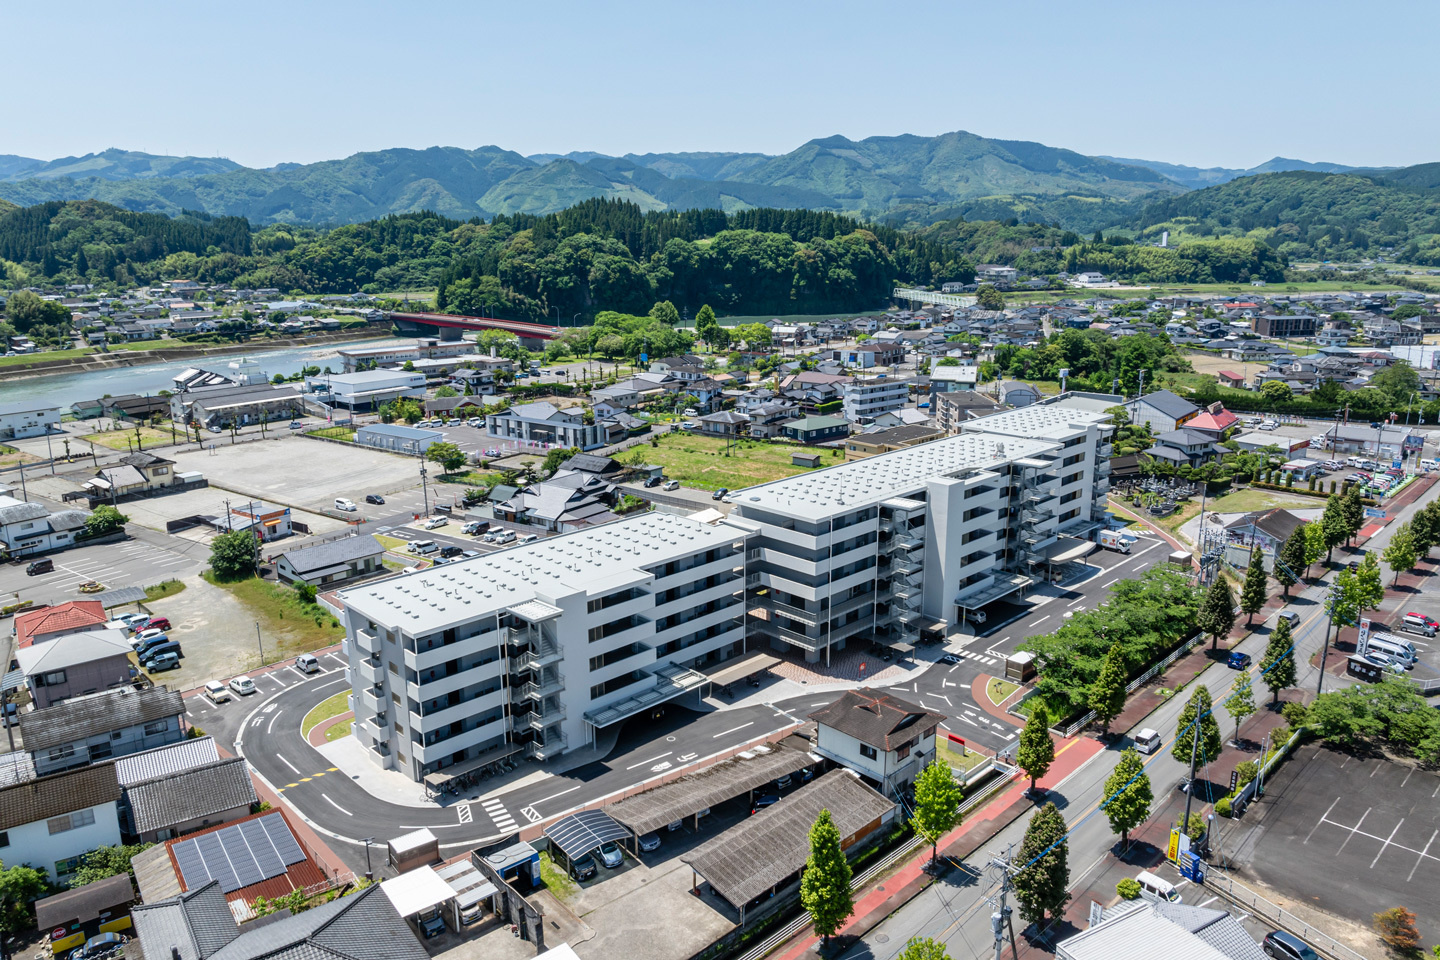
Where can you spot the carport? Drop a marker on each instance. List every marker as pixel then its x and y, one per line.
pixel 419 894
pixel 436 782
pixel 743 668
pixel 1004 585
pixel 691 795
pixel 1064 550
pixel 579 833
pixel 758 856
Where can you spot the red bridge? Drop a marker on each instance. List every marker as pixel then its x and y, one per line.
pixel 526 331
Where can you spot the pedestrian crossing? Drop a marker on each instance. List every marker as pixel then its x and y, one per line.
pixel 499 814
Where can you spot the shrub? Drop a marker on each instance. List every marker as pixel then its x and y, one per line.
pixel 1246 772
pixel 1128 888
pixel 1280 736
pixel 1222 807
pixel 1295 714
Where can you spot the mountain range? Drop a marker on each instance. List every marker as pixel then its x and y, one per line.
pixel 899 179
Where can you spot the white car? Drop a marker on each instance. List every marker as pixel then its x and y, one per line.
pixel 215 692
pixel 342 503
pixel 434 522
pixel 242 685
pixel 145 635
pixel 422 546
pixel 474 422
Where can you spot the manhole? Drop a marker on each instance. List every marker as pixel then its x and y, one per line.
pixel 882 938
pixel 881 889
pixel 669 739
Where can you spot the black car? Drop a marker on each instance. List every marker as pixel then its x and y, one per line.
pixel 763 801
pixel 583 868
pixel 719 493
pixel 40 566
pixel 1287 946
pixel 654 481
pixel 451 551
pixel 374 498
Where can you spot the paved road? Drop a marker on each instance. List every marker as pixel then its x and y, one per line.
pixel 147 557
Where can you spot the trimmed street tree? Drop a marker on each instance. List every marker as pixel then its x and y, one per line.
pixel 1425 525
pixel 1042 884
pixel 1278 665
pixel 1400 554
pixel 1315 544
pixel 1216 615
pixel 1107 693
pixel 1253 593
pixel 1128 795
pixel 923 948
pixel 1369 590
pixel 1333 523
pixel 1199 705
pixel 825 884
pixel 1291 560
pixel 1241 702
pixel 1353 512
pixel 937 804
pixel 104 519
pixel 1036 750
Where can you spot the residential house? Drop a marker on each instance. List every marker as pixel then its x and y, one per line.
pixel 945 379
pixel 543 425
pixel 1213 422
pixel 816 429
pixel 885 739
pixel 180 788
pixel 44 623
pixel 455 407
pixel 240 405
pixel 766 419
pixel 867 355
pixel 398 438
pixel 1161 410
pixel 996 273
pixel 1184 448
pixel 336 561
pixel 269 521
pixel 51 821
pixel 28 528
pixel 860 445
pixel 570 500
pixel 725 423
pixel 904 417
pixel 684 367
pixel 19 421
pixel 1263 530
pixel 98 726
pixel 1152 927
pixel 1334 334
pixel 1229 378
pixel 132 406
pixel 75 665
pixel 140 473
pixel 1287 325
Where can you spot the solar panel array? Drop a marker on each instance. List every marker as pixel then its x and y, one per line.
pixel 238 855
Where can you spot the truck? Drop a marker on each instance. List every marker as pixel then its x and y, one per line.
pixel 1117 540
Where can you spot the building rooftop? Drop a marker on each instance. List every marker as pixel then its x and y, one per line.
pixel 877 719
pixel 401 431
pixel 163 761
pixel 175 798
pixel 1038 422
pixel 324 555
pixel 594 561
pixel 74 615
pixel 72 650
pixel 46 797
pixel 849 486
pixel 95 713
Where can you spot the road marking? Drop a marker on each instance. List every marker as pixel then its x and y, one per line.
pixel 305 779
pixel 1421 859
pixel 288 764
pixel 1386 843
pixel 660 757
pixel 688 757
pixel 1041 620
pixel 337 806
pixel 268 707
pixel 1081 600
pixel 722 733
pixel 531 814
pixel 464 811
pixel 271 725
pixel 969 721
pixel 1353 830
pixel 554 795
pixel 1104 585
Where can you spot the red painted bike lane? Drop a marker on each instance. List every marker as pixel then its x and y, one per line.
pixel 889 892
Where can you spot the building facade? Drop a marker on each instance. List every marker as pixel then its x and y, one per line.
pixel 21 420
pixel 865 400
pixel 544 425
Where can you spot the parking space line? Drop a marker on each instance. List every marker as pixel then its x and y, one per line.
pixel 1353 830
pixel 1386 843
pixel 1421 859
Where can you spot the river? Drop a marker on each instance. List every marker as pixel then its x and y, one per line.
pixel 64 389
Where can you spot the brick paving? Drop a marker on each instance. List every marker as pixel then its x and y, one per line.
pixel 844 665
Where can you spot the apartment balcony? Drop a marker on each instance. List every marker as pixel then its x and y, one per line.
pixel 1105 451
pixel 443 748
pixel 371 670
pixel 373 699
pixel 421 660
pixel 367 641
pixel 752 580
pixel 444 716
pixel 539 690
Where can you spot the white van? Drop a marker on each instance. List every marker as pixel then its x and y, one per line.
pixel 1397 648
pixel 1147 741
pixel 1162 889
pixel 1428 464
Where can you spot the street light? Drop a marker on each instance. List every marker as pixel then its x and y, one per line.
pixel 369 873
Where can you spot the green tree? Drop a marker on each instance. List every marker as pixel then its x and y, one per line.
pixel 1353 512
pixel 104 519
pixel 1334 523
pixel 1290 561
pixel 1216 615
pixel 610 346
pixel 105 862
pixel 450 457
pixel 26 310
pixel 937 804
pixel 232 555
pixel 825 884
pixel 447 391
pixel 665 312
pixel 1277 391
pixel 1042 883
pixel 923 948
pixel 756 336
pixel 1128 795
pixel 1107 693
pixel 988 298
pixel 1241 702
pixel 1400 554
pixel 1316 543
pixel 1199 708
pixel 556 456
pixel 1253 593
pixel 305 591
pixel 1036 750
pixel 706 325
pixel 1396 929
pixel 1278 664
pixel 20 886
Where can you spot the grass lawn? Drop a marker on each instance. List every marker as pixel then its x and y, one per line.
pixel 49 355
pixel 1184 383
pixel 555 879
pixel 125 439
pixel 391 543
pixel 288 624
pixel 997 690
pixel 475 478
pixel 324 710
pixel 169 588
pixel 339 730
pixel 1245 501
pixel 969 761
pixel 10 457
pixel 701 462
pixel 335 433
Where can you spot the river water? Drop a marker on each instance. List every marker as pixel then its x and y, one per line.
pixel 64 389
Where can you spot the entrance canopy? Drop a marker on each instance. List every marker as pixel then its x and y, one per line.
pixel 1066 549
pixel 437 780
pixel 746 666
pixel 579 833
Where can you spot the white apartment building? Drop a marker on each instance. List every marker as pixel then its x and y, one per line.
pixel 887 548
pixel 864 400
pixel 535 648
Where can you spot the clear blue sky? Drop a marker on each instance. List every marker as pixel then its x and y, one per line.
pixel 1214 83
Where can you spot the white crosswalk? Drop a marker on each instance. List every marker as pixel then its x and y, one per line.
pixel 499 814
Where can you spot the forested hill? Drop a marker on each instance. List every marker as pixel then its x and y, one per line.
pixel 1305 215
pixel 599 255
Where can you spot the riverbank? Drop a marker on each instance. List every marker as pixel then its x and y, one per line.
pixel 182 351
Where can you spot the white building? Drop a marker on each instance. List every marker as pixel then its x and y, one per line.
pixel 535 648
pixel 544 425
pixel 996 273
pixel 28 528
pixel 51 822
pixel 367 389
pixel 21 420
pixel 864 400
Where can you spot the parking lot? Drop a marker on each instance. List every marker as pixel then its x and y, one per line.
pixel 131 563
pixel 1346 834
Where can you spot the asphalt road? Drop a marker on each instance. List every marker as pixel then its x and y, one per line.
pixel 147 557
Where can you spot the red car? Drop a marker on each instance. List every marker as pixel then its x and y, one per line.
pixel 159 623
pixel 1429 621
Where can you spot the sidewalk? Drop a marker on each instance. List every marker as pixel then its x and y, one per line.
pixel 890 891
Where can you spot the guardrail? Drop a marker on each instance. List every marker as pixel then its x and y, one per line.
pixel 1242 896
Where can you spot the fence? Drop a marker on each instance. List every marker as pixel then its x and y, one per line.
pixel 1133 685
pixel 1242 896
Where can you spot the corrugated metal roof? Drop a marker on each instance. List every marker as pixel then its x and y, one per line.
pixel 162 761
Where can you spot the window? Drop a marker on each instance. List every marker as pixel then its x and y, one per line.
pixel 156 726
pixel 67 866
pixel 4 838
pixel 99 751
pixel 116 735
pixel 71 821
pixel 61 753
pixel 902 752
pixel 867 751
pixel 53 679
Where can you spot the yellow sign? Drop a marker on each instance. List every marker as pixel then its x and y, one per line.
pixel 1172 851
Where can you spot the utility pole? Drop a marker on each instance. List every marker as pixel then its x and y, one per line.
pixel 259 643
pixel 1325 648
pixel 1190 787
pixel 1001 920
pixel 424 490
pixel 229 524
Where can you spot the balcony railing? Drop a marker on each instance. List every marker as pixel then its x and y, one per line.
pixel 367 641
pixel 550 747
pixel 539 690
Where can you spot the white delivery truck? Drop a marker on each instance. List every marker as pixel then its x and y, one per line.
pixel 1115 540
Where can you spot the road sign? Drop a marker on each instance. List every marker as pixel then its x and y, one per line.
pixel 1234 779
pixel 1375 512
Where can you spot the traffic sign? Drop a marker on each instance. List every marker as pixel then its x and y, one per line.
pixel 1234 779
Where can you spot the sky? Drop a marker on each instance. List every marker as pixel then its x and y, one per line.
pixel 1218 83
